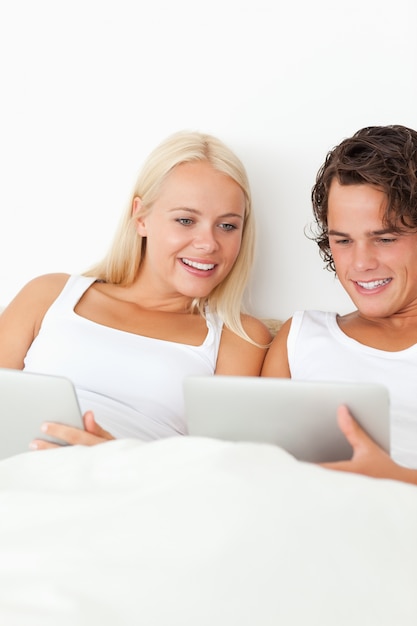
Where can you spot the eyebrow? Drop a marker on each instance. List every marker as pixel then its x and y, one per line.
pixel 371 233
pixel 196 212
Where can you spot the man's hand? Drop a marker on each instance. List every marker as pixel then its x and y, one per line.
pixel 368 458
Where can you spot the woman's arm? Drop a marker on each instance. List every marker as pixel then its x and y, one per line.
pixel 238 357
pixel 19 325
pixel 22 318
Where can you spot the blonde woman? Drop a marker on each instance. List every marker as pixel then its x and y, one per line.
pixel 165 303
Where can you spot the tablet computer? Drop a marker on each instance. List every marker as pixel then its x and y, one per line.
pixel 26 401
pixel 299 416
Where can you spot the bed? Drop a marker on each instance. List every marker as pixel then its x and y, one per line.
pixel 190 531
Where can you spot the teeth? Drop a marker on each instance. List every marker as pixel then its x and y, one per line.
pixel 199 266
pixel 373 284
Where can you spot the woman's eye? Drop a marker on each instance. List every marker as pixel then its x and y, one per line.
pixel 227 226
pixel 185 221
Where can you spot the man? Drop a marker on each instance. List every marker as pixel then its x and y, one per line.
pixel 365 208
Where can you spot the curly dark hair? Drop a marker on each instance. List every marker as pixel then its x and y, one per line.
pixel 382 156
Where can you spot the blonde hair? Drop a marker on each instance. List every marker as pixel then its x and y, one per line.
pixel 121 263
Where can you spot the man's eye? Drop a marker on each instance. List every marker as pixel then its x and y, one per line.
pixel 386 239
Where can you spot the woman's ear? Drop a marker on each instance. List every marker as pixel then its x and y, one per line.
pixel 138 214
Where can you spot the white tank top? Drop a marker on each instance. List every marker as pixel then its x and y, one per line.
pixel 319 350
pixel 132 383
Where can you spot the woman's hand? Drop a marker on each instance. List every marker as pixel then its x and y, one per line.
pixel 92 435
pixel 368 458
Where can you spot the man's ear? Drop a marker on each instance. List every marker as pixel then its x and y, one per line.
pixel 138 214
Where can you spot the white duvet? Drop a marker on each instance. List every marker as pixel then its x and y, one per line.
pixel 195 532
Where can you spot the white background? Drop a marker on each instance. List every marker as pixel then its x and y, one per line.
pixel 89 87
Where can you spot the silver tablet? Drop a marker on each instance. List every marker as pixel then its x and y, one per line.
pixel 299 416
pixel 26 401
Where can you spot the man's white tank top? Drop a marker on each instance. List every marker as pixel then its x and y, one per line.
pixel 132 383
pixel 319 350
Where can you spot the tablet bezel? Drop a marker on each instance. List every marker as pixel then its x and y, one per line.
pixel 299 416
pixel 28 399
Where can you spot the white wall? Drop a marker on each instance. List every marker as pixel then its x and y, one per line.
pixel 89 87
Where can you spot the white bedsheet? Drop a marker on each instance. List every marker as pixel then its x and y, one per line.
pixel 195 532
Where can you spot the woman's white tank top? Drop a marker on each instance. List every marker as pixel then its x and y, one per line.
pixel 132 383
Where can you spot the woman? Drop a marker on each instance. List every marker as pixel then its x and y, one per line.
pixel 164 303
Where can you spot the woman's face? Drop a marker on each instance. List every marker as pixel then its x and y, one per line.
pixel 193 230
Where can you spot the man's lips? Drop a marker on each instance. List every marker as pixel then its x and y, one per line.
pixel 373 284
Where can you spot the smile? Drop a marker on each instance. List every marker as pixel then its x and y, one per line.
pixel 373 284
pixel 199 266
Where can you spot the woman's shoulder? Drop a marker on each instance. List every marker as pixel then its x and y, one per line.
pixel 241 357
pixel 23 316
pixel 48 281
pixel 40 291
pixel 259 330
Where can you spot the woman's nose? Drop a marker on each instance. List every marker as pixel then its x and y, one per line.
pixel 206 240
